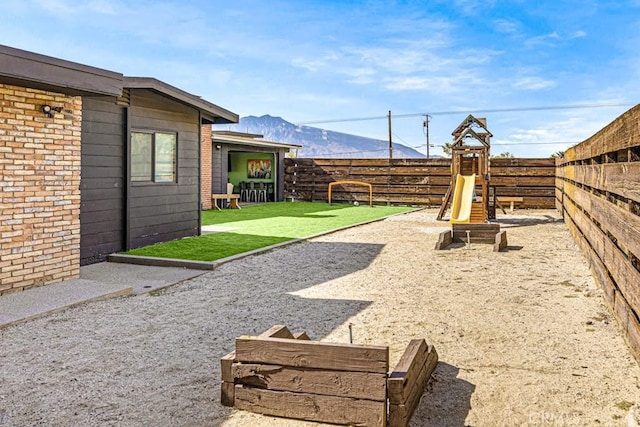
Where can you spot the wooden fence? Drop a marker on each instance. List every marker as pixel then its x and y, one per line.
pixel 598 191
pixel 414 181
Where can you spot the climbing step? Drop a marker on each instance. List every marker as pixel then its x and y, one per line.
pixel 477 213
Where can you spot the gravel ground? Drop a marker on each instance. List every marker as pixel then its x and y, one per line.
pixel 523 336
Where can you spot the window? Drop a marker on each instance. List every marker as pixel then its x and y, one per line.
pixel 141 158
pixel 165 157
pixel 153 157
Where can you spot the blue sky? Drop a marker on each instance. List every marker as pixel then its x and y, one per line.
pixel 321 60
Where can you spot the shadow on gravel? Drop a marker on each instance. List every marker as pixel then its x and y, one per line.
pixel 154 359
pixel 525 221
pixel 447 401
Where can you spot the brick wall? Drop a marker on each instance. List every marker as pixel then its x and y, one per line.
pixel 205 167
pixel 40 188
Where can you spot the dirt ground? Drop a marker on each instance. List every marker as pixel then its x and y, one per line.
pixel 523 336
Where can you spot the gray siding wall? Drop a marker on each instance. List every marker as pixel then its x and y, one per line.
pixel 102 183
pixel 219 168
pixel 162 212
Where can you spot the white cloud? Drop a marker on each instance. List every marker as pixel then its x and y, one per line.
pixel 432 65
pixel 454 83
pixel 579 34
pixel 417 83
pixel 105 7
pixel 66 7
pixel 315 64
pixel 544 133
pixel 530 135
pixel 540 142
pixel 533 83
pixel 57 7
pixel 506 26
pixel 543 40
pixel 553 38
pixel 473 7
pixel 362 76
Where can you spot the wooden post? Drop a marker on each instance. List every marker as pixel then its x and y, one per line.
pixel 501 241
pixel 444 240
pixel 408 381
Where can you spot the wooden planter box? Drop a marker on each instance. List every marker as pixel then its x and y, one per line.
pixel 279 374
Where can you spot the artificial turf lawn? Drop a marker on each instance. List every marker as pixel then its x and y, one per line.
pixel 255 227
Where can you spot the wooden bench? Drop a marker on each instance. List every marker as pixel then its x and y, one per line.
pixel 233 200
pixel 504 199
pixel 287 375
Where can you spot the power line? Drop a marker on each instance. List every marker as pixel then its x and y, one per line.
pixel 536 143
pixel 348 152
pixel 452 112
pixel 401 140
pixel 442 145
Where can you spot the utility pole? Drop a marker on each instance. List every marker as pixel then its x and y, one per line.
pixel 425 124
pixel 390 138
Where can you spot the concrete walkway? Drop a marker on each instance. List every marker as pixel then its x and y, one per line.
pixel 96 282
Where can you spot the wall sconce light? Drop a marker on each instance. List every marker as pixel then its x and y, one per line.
pixel 48 110
pixel 217 147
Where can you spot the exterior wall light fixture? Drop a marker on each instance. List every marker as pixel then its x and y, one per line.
pixel 48 110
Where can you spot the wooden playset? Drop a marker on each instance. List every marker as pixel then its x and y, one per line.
pixel 287 375
pixel 469 195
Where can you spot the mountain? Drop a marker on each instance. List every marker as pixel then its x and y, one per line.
pixel 319 143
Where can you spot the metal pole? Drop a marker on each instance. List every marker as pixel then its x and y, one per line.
pixel 390 138
pixel 426 130
pixel 428 117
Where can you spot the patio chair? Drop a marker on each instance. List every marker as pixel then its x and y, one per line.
pixel 253 192
pixel 244 191
pixel 262 192
pixel 229 191
pixel 270 192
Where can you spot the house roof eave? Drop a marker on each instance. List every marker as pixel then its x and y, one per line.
pixel 225 139
pixel 29 69
pixel 211 113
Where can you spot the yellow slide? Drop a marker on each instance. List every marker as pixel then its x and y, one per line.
pixel 462 198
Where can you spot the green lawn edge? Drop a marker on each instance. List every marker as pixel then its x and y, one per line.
pixel 261 226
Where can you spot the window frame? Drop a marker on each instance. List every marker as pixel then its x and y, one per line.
pixel 153 169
